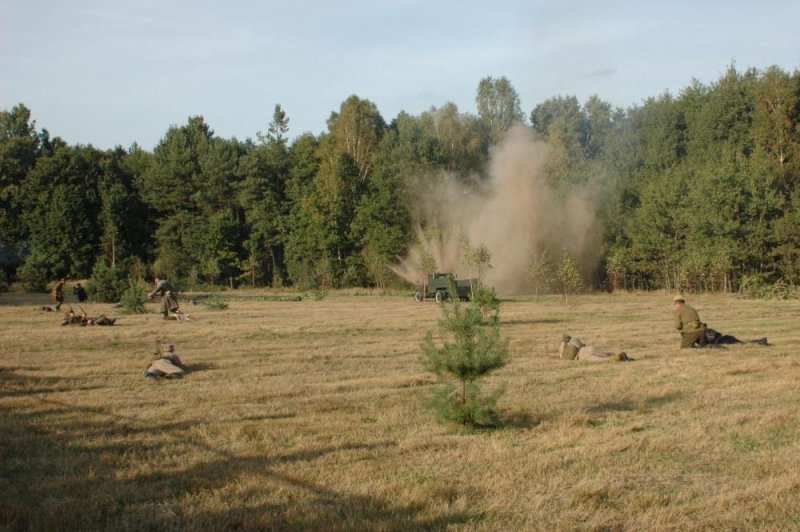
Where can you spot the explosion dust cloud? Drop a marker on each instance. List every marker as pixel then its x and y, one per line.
pixel 515 215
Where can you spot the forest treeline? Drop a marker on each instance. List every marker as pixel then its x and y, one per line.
pixel 698 190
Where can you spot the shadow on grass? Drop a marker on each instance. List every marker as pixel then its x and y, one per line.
pixel 19 368
pixel 268 417
pixel 625 405
pixel 12 384
pixel 630 405
pixel 39 391
pixel 662 400
pixel 531 322
pixel 202 366
pixel 749 371
pixel 70 467
pixel 518 420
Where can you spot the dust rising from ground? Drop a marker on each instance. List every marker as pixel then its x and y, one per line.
pixel 515 214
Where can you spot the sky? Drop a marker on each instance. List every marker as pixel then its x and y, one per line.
pixel 112 73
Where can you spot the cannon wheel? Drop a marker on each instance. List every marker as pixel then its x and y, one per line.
pixel 440 296
pixel 418 297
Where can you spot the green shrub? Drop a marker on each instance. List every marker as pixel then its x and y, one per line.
pixel 781 290
pixel 317 294
pixel 3 281
pixel 133 298
pixel 486 300
pixel 34 274
pixel 281 298
pixel 107 283
pixel 752 285
pixel 758 287
pixel 215 302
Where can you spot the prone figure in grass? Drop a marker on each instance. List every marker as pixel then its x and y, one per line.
pixel 165 364
pixel 572 348
pixel 73 318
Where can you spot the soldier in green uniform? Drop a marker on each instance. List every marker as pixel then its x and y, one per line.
pixel 695 333
pixel 168 301
pixel 687 321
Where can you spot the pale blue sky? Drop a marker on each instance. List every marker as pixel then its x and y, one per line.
pixel 110 72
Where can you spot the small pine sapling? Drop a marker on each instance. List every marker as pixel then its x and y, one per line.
pixel 133 298
pixel 471 348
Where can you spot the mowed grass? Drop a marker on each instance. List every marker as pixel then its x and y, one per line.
pixel 308 415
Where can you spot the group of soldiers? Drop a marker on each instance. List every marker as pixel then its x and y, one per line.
pixel 165 362
pixel 169 304
pixel 71 317
pixel 694 334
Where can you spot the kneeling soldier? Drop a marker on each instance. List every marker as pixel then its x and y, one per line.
pixel 687 321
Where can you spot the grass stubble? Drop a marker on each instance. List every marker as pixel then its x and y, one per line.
pixel 308 415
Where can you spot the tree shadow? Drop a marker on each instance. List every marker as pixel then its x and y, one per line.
pixel 625 405
pixel 630 405
pixel 518 420
pixel 12 384
pixel 67 467
pixel 661 400
pixel 39 391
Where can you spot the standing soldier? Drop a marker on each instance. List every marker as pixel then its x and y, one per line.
pixel 57 295
pixel 687 321
pixel 168 301
pixel 79 292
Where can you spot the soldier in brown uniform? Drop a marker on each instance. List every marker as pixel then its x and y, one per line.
pixel 687 321
pixel 57 295
pixel 165 363
pixel 168 301
pixel 572 348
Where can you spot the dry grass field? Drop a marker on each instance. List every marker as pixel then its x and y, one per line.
pixel 308 415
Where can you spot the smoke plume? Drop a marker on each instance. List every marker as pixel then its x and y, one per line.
pixel 516 214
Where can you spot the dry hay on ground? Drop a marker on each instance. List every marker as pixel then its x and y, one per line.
pixel 307 415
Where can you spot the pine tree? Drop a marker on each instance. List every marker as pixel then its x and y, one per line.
pixel 470 349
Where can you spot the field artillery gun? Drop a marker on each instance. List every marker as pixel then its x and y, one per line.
pixel 437 287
